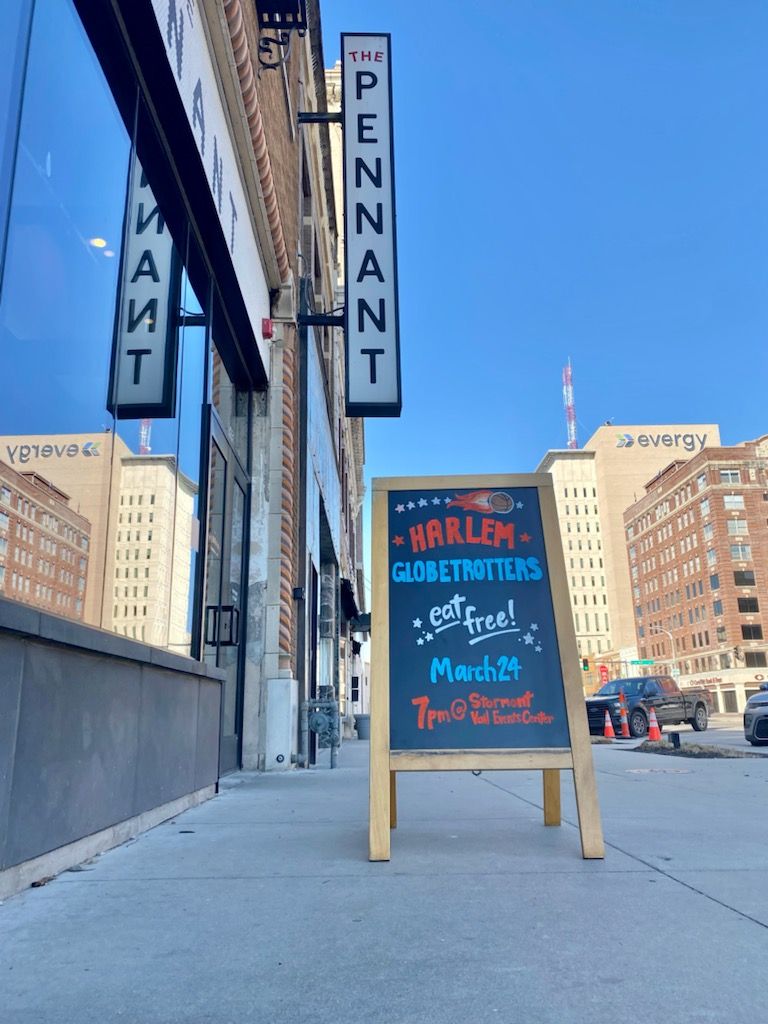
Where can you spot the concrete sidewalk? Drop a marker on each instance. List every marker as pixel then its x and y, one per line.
pixel 260 906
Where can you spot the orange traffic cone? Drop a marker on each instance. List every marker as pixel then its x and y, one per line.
pixel 625 735
pixel 654 732
pixel 608 729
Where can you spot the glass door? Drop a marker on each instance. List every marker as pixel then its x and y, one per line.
pixel 224 613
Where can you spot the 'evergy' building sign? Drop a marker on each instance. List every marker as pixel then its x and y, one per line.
pixel 690 442
pixel 371 312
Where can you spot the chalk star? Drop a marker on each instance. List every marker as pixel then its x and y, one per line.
pixel 525 537
pixel 410 505
pixel 397 541
pixel 423 502
pixel 420 641
pixel 534 626
pixel 436 501
pixel 417 623
pixel 428 637
pixel 537 648
pixel 399 508
pixel 518 504
pixel 446 500
pixel 528 638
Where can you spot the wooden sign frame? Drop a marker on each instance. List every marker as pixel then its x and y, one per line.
pixel 385 763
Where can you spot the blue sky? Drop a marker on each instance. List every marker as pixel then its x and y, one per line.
pixel 573 179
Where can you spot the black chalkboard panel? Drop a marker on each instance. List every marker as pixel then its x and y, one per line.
pixel 473 651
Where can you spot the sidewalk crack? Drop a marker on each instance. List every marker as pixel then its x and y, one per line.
pixel 651 867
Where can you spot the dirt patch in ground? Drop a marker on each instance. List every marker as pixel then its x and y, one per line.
pixel 600 739
pixel 691 750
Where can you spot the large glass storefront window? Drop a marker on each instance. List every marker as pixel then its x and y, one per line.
pixel 99 516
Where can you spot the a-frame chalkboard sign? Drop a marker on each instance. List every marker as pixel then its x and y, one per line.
pixel 474 664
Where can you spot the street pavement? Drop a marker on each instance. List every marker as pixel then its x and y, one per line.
pixel 724 730
pixel 260 906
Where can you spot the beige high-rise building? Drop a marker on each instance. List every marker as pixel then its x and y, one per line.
pixel 593 487
pixel 151 569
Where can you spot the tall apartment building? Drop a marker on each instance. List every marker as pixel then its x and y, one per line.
pixel 697 545
pixel 593 486
pixel 44 544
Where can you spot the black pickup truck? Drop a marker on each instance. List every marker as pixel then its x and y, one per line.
pixel 661 693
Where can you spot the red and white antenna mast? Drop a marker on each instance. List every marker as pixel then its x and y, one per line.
pixel 145 436
pixel 570 405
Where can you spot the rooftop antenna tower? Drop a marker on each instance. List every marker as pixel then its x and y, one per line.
pixel 569 404
pixel 145 436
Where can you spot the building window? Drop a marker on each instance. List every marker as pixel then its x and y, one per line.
pixel 701 481
pixel 709 531
pixel 755 659
pixel 744 578
pixel 711 557
pixel 737 527
pixel 733 502
pixel 717 607
pixel 741 552
pixel 754 632
pixel 729 476
pixel 748 605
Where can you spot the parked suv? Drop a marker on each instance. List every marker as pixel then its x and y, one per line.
pixel 756 718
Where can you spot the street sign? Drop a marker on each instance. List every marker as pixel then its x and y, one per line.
pixel 474 654
pixel 642 661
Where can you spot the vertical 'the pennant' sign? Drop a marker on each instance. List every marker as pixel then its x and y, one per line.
pixel 143 371
pixel 371 312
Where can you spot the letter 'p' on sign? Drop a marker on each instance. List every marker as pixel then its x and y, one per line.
pixel 371 311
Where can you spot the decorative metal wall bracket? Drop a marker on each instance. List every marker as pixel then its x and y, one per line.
pixel 280 17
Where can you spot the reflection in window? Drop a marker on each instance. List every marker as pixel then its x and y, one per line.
pixel 68 469
pixel 231 403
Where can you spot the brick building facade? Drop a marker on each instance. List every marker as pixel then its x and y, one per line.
pixel 43 545
pixel 697 545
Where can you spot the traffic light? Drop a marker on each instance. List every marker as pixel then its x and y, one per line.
pixel 585 664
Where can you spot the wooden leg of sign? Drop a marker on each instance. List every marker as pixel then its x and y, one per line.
pixel 552 813
pixel 393 799
pixel 379 801
pixel 379 776
pixel 590 828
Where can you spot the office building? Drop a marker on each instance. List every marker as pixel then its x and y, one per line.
pixel 593 486
pixel 697 546
pixel 167 226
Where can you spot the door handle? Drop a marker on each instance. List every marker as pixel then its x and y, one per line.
pixel 229 626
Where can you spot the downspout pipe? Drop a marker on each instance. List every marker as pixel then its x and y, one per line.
pixel 301 611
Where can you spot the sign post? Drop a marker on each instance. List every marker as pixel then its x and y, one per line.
pixel 474 659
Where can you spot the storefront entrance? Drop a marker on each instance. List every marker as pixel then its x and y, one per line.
pixel 224 609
